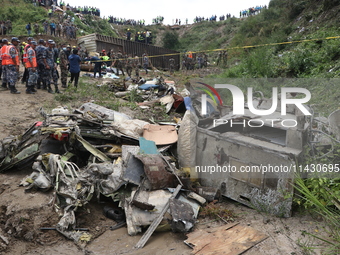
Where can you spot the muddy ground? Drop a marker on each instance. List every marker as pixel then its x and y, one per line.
pixel 22 214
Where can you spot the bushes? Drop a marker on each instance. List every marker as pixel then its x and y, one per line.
pixel 170 40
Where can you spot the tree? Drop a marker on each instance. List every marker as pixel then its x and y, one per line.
pixel 170 40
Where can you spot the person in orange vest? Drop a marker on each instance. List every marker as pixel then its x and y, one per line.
pixel 189 54
pixel 10 59
pixel 24 60
pixel 31 65
pixel 4 43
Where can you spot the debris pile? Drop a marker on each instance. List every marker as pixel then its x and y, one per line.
pixel 96 152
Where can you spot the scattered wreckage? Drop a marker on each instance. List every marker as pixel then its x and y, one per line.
pixel 95 151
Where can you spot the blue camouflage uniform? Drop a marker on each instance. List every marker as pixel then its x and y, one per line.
pixel 41 52
pixel 33 75
pixel 49 72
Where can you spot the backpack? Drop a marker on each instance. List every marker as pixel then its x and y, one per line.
pixel 28 27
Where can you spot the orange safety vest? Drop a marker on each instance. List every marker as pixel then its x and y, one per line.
pixel 3 50
pixel 24 56
pixel 6 57
pixel 34 60
pixel 190 54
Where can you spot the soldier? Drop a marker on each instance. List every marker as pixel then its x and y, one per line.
pixel 31 65
pixel 129 63
pixel 51 73
pixel 145 62
pixel 136 65
pixel 199 61
pixel 4 43
pixel 43 67
pixel 10 59
pixel 118 63
pixel 171 65
pixel 63 59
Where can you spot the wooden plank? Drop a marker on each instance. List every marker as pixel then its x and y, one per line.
pixel 231 239
pixel 156 222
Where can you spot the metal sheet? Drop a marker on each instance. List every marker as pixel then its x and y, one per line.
pixel 155 170
pixel 271 193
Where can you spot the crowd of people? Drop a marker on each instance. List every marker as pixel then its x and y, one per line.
pixel 212 18
pixel 84 10
pixel 41 60
pixel 54 3
pixel 123 21
pixel 45 62
pixel 141 36
pixel 5 27
pixel 118 62
pixel 63 27
pixel 252 11
pixel 158 20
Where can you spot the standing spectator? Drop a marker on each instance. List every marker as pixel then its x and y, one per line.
pixel 45 24
pixel 52 28
pixel 36 29
pixel 29 28
pixel 9 26
pixel 75 61
pixel 128 34
pixel 59 28
pixel 50 12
